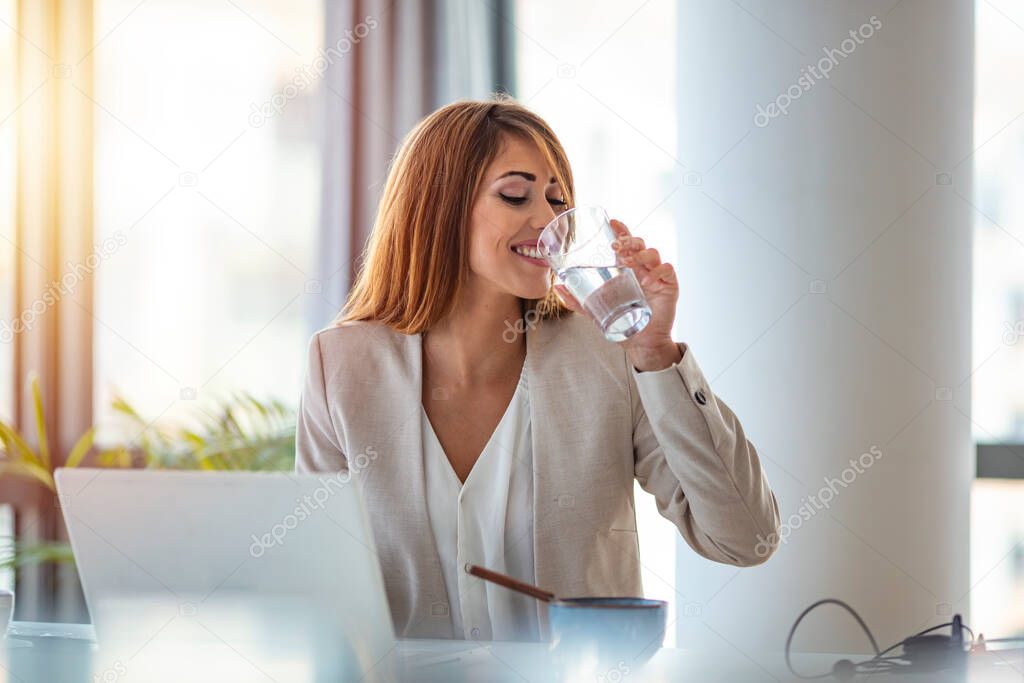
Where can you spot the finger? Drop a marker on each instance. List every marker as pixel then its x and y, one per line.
pixel 568 299
pixel 619 228
pixel 626 245
pixel 642 261
pixel 648 257
pixel 660 277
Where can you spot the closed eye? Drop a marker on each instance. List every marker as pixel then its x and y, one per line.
pixel 518 201
pixel 515 201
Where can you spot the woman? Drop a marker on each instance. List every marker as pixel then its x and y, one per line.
pixel 484 415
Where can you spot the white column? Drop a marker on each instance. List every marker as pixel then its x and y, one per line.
pixel 826 265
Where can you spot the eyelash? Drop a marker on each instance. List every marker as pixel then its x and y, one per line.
pixel 518 201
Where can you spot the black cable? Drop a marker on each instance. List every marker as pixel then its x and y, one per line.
pixel 922 633
pixel 877 664
pixel 826 601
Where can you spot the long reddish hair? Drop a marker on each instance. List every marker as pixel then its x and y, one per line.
pixel 417 258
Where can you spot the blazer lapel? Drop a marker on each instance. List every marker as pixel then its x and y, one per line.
pixel 417 476
pixel 545 404
pixel 397 481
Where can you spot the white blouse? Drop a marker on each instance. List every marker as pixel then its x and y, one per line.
pixel 488 521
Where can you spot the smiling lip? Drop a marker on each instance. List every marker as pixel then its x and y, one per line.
pixel 529 252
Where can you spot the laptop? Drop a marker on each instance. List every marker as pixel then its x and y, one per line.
pixel 193 575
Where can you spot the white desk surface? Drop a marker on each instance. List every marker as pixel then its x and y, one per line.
pixel 67 653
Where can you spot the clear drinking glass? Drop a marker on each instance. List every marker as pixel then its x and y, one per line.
pixel 577 244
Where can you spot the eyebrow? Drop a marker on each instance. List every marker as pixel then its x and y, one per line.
pixel 529 176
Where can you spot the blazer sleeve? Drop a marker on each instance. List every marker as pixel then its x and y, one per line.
pixel 691 453
pixel 317 446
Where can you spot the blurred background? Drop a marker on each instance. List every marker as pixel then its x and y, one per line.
pixel 185 189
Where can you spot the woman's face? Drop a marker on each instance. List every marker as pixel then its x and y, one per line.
pixel 517 198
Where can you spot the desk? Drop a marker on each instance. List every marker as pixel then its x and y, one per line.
pixel 67 653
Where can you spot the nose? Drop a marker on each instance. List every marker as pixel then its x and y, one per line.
pixel 545 216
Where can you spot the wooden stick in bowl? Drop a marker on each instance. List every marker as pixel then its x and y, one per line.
pixel 509 582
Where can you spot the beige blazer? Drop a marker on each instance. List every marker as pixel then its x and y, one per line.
pixel 597 424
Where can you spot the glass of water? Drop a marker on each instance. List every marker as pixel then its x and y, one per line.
pixel 577 244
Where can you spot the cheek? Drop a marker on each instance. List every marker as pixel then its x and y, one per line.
pixel 481 255
pixel 488 239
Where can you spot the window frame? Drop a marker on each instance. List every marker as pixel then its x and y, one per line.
pixel 1000 461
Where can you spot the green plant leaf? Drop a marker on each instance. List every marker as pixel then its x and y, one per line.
pixel 122 406
pixel 44 446
pixel 13 554
pixel 30 470
pixel 16 446
pixel 111 457
pixel 81 448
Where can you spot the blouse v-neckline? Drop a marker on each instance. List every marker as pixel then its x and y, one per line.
pixel 491 443
pixel 486 520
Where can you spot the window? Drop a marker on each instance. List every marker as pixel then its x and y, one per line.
pixel 8 186
pixel 207 193
pixel 618 125
pixel 997 506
